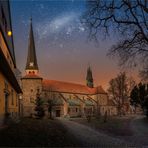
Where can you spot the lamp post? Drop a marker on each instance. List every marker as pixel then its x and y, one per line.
pixel 20 105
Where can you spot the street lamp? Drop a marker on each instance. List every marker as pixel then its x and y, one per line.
pixel 20 105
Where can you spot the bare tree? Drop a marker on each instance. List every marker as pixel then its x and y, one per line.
pixel 130 19
pixel 119 90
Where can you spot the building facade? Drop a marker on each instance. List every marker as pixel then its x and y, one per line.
pixel 9 87
pixel 68 99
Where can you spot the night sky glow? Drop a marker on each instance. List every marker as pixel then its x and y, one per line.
pixel 62 46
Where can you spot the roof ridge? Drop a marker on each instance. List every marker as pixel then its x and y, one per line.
pixel 65 82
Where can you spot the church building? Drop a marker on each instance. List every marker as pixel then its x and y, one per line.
pixel 69 99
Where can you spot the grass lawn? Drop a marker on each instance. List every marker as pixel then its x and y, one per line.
pixel 36 133
pixel 116 126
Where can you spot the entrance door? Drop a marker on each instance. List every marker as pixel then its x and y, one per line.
pixel 58 113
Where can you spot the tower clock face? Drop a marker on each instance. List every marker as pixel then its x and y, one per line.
pixel 31 64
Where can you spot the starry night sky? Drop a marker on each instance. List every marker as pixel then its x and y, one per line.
pixel 63 49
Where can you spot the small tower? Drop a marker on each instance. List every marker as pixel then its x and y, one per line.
pixel 89 78
pixel 31 65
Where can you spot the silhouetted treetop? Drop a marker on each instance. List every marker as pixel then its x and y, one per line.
pixel 127 17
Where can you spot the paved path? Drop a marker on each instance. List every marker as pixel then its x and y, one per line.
pixel 140 131
pixel 91 138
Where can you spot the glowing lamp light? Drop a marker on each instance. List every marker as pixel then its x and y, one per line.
pixel 9 33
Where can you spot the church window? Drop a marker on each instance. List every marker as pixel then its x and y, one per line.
pixel 45 94
pixel 68 110
pixel 53 96
pixel 76 109
pixel 84 109
pixel 29 71
pixel 31 90
pixel 6 85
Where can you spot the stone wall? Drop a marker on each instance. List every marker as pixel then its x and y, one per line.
pixel 30 88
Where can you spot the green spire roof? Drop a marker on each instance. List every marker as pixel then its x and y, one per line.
pixel 31 59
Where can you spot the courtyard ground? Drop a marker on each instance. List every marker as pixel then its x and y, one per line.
pixel 37 133
pixel 77 132
pixel 131 129
pixel 93 138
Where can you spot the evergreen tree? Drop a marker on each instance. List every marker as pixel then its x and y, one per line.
pixel 39 107
pixel 142 93
pixel 50 104
pixel 134 97
pixel 139 96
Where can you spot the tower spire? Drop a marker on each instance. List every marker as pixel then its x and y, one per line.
pixel 89 78
pixel 31 65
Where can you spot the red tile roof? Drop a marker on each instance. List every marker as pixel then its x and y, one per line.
pixel 31 76
pixel 60 86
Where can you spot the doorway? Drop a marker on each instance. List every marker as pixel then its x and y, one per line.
pixel 6 103
pixel 58 113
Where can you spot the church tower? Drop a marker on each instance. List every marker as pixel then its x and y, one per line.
pixel 31 65
pixel 31 82
pixel 89 78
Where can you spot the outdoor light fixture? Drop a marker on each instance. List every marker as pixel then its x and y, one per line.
pixel 9 33
pixel 20 97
